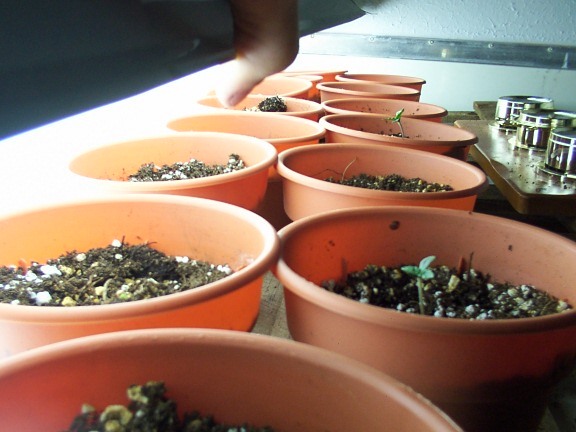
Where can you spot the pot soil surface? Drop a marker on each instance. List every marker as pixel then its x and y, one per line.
pixel 150 410
pixel 270 104
pixel 185 170
pixel 390 182
pixel 446 293
pixel 113 274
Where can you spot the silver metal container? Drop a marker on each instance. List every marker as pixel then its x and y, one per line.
pixel 561 152
pixel 534 127
pixel 508 108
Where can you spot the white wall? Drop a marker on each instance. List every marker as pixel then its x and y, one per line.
pixel 456 86
pixel 531 21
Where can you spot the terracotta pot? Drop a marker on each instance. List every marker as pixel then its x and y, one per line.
pixel 199 228
pixel 328 75
pixel 272 207
pixel 398 80
pixel 420 134
pixel 487 375
pixel 283 86
pixel 314 93
pixel 296 107
pixel 385 107
pixel 304 170
pixel 283 132
pixel 107 167
pixel 236 377
pixel 341 90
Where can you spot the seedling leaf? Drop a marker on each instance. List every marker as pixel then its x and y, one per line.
pixel 421 272
pixel 398 119
pixel 398 115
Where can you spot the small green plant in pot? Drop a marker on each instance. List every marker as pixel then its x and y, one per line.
pixel 468 367
pixel 422 272
pixel 398 119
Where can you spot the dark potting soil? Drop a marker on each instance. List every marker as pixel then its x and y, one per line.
pixel 448 293
pixel 150 410
pixel 113 274
pixel 273 104
pixel 391 182
pixel 270 104
pixel 185 170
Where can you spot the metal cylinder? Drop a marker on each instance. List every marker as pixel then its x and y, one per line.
pixel 534 127
pixel 508 108
pixel 561 152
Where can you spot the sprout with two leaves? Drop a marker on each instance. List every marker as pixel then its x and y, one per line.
pixel 398 119
pixel 421 272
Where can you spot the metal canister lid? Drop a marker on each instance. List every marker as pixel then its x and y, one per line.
pixel 545 118
pixel 508 108
pixel 527 102
pixel 563 119
pixel 538 102
pixel 536 118
pixel 564 136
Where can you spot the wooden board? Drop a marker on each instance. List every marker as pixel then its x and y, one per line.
pixel 486 110
pixel 518 173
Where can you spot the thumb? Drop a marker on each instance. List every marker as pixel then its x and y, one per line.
pixel 239 78
pixel 266 41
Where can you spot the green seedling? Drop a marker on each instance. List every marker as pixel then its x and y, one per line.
pixel 398 119
pixel 421 272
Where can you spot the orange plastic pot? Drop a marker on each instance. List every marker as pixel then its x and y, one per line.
pixel 341 90
pixel 315 79
pixel 283 132
pixel 419 134
pixel 199 228
pixel 277 85
pixel 304 170
pixel 296 107
pixel 327 75
pixel 386 108
pixel 236 377
pixel 492 375
pixel 272 208
pixel 107 167
pixel 399 80
pixel 313 93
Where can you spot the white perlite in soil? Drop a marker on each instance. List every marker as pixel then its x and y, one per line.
pixel 113 274
pixel 447 293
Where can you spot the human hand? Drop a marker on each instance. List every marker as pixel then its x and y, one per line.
pixel 266 41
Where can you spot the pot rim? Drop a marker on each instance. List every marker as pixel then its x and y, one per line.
pixel 442 112
pixel 312 107
pixel 320 72
pixel 451 163
pixel 466 137
pixel 386 78
pixel 292 351
pixel 269 159
pixel 373 88
pixel 259 265
pixel 314 129
pixel 305 85
pixel 415 322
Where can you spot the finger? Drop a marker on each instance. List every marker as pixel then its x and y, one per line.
pixel 266 42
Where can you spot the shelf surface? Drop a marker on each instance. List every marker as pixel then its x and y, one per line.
pixel 518 173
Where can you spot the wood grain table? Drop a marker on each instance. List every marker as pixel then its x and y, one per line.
pixel 518 173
